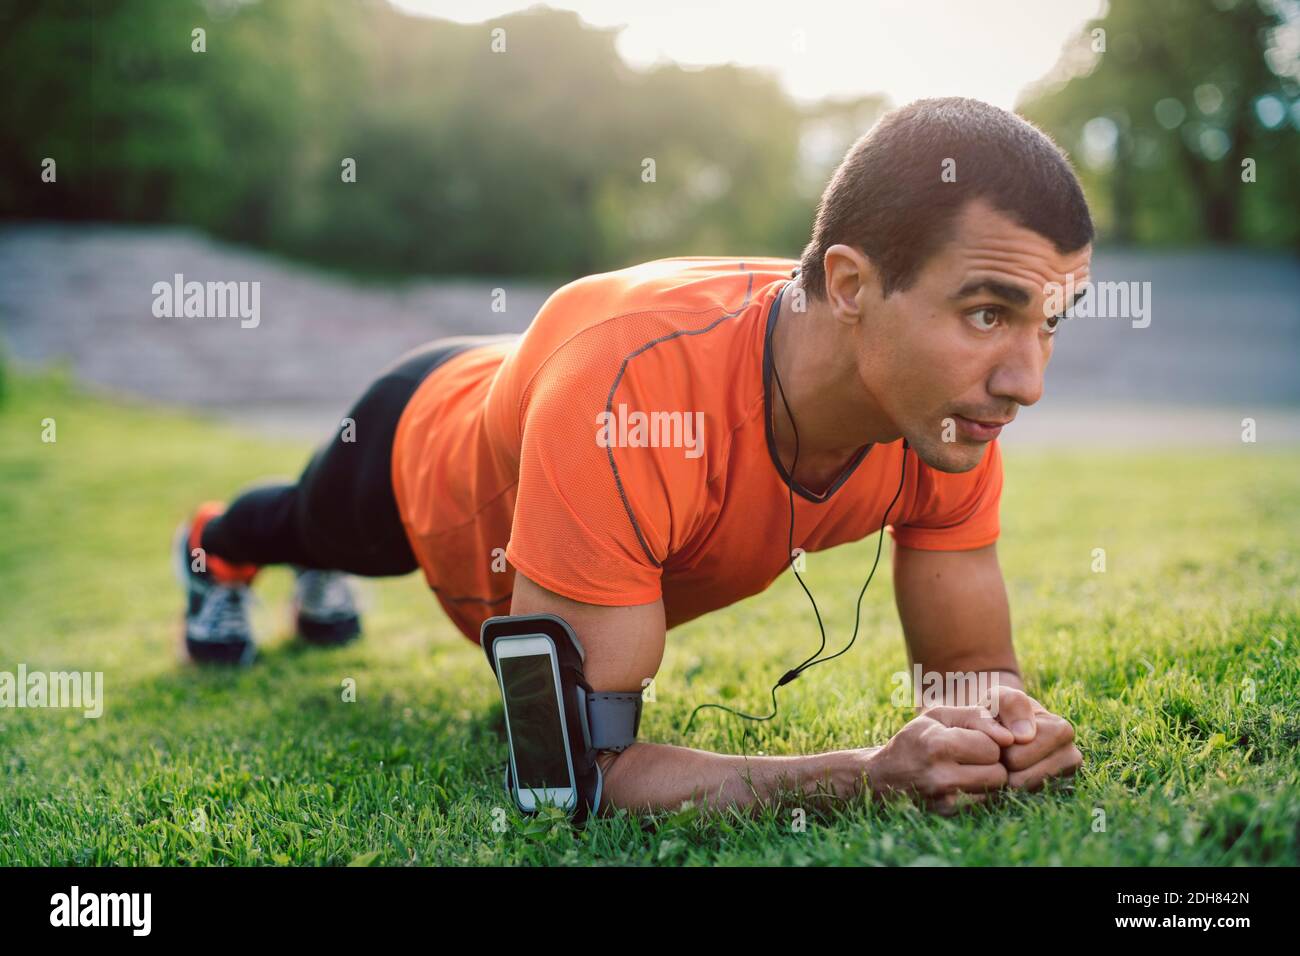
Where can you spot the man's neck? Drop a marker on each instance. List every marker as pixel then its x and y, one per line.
pixel 816 359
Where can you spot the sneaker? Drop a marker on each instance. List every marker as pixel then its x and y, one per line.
pixel 217 629
pixel 326 607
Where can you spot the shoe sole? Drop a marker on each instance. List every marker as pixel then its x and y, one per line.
pixel 326 633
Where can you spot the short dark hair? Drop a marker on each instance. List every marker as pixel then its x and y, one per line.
pixel 887 197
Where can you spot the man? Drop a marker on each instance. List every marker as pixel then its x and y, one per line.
pixel 627 465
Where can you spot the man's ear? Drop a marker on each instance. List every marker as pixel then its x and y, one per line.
pixel 850 279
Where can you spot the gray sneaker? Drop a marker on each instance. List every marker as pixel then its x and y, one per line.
pixel 326 607
pixel 217 627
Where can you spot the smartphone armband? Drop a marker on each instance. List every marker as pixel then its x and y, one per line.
pixel 593 720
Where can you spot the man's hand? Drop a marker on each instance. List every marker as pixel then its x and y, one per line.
pixel 947 757
pixel 956 619
pixel 1044 742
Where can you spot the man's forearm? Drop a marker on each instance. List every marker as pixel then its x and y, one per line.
pixel 650 776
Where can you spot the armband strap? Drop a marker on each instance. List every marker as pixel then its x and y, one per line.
pixel 613 719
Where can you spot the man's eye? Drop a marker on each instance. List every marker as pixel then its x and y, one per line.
pixel 1053 325
pixel 980 316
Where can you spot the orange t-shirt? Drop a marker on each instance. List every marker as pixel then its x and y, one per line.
pixel 620 450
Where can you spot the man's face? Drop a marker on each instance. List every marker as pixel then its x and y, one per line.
pixel 969 341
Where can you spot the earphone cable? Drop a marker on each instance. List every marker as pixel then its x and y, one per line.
pixel 816 658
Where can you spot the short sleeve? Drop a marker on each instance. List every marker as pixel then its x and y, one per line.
pixel 955 512
pixel 593 520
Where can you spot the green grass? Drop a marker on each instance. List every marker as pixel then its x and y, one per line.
pixel 1154 661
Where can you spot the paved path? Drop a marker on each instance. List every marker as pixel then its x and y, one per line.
pixel 1223 342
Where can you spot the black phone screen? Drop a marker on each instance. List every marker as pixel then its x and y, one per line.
pixel 532 708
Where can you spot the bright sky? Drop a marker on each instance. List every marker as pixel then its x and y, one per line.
pixel 990 49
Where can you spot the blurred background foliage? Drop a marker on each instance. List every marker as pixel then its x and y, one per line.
pixel 1161 122
pixel 530 161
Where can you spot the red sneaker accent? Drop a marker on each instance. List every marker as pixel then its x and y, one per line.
pixel 224 572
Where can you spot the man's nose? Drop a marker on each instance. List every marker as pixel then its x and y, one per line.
pixel 1019 374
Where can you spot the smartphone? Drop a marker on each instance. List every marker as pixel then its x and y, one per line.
pixel 528 672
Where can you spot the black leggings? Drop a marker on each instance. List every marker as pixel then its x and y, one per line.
pixel 342 514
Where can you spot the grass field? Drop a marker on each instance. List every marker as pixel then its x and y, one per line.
pixel 1178 666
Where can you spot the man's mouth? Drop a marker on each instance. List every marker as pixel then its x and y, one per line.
pixel 979 429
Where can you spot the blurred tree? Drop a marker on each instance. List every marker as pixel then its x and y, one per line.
pixel 471 157
pixel 1164 101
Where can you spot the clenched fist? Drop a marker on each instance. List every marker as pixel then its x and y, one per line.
pixel 1044 742
pixel 946 757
